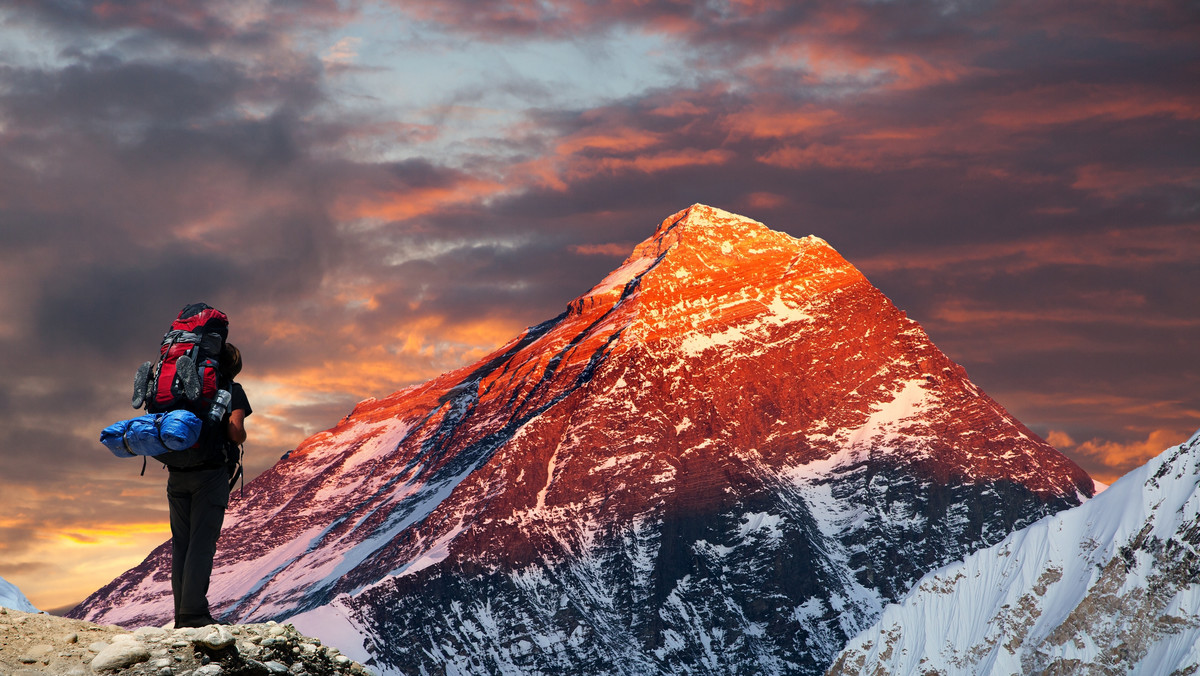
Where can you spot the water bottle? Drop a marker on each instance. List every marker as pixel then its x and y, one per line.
pixel 220 404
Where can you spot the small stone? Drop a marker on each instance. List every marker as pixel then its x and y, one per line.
pixel 98 646
pixel 276 667
pixel 36 653
pixel 276 630
pixel 71 638
pixel 162 662
pixel 218 637
pixel 166 671
pixel 209 670
pixel 120 655
pixel 150 632
pixel 341 659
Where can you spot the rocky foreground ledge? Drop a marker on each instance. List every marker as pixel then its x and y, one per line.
pixel 34 644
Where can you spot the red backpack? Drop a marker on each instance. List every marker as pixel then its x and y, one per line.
pixel 186 375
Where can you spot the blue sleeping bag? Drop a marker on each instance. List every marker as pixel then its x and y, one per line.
pixel 153 434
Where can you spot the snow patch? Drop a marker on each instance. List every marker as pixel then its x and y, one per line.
pixel 11 597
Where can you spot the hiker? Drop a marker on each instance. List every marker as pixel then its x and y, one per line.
pixel 195 424
pixel 198 497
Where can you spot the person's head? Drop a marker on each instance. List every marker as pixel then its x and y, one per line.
pixel 231 361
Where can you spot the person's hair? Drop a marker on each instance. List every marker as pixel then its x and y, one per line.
pixel 231 361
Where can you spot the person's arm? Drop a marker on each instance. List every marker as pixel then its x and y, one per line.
pixel 237 426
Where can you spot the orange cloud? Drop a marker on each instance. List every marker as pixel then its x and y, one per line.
pixel 679 108
pixel 766 200
pixel 412 352
pixel 661 161
pixel 842 63
pixel 618 141
pixel 1120 248
pixel 1115 182
pixel 1118 458
pixel 781 123
pixel 964 312
pixel 404 204
pixel 1059 439
pixel 1063 104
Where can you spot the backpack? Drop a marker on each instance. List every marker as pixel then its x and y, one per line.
pixel 187 376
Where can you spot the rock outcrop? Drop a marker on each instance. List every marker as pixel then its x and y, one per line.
pixel 36 644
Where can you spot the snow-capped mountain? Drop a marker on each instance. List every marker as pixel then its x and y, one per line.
pixel 11 597
pixel 1110 587
pixel 727 456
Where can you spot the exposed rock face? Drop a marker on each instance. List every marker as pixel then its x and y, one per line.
pixel 725 457
pixel 1111 587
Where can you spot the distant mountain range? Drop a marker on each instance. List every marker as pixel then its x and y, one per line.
pixel 726 457
pixel 1112 587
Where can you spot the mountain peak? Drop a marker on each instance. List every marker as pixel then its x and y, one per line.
pixel 731 409
pixel 705 267
pixel 717 233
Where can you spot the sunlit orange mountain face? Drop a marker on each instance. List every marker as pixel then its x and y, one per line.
pixel 725 457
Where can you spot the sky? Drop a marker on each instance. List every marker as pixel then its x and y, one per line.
pixel 378 192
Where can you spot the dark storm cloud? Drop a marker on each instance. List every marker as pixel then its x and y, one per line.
pixel 194 24
pixel 132 183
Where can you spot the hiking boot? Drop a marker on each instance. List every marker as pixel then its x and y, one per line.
pixel 189 377
pixel 141 383
pixel 197 621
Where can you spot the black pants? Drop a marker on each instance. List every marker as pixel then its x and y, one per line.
pixel 198 501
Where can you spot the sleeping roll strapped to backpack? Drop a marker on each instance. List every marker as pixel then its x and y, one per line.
pixel 186 377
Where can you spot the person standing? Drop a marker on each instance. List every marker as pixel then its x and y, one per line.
pixel 198 496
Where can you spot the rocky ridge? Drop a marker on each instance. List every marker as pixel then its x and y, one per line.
pixel 36 644
pixel 1110 587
